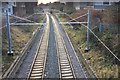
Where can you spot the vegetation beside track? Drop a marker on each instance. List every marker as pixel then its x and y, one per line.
pixel 101 63
pixel 99 58
pixel 20 35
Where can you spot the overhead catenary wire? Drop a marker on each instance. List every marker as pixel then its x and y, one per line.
pixel 97 38
pixel 79 17
pixel 17 21
pixel 20 19
pixel 26 18
pixel 84 58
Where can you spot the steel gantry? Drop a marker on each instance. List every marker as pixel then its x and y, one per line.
pixel 82 23
pixel 8 24
pixel 90 30
pixel 10 52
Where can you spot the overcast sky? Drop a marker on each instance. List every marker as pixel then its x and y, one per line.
pixel 46 1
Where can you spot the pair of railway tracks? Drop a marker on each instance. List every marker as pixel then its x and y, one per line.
pixel 64 63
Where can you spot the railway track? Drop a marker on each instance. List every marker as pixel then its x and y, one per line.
pixel 65 66
pixel 38 65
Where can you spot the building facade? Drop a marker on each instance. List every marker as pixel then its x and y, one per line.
pixel 20 10
pixel 80 4
pixel 102 5
pixel 8 6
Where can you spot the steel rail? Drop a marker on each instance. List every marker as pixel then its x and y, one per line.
pixel 38 65
pixel 65 65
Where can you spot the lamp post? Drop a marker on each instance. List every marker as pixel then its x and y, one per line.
pixel 10 52
pixel 88 32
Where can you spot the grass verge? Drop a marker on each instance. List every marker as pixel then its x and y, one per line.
pixel 99 58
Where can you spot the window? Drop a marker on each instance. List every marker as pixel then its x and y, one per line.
pixel 2 10
pixel 106 3
pixel 9 9
pixel 7 2
pixel 14 3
